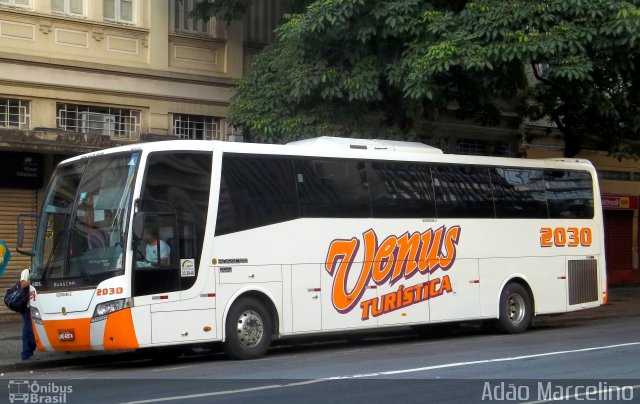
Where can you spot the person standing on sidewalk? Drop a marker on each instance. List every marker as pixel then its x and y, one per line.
pixel 28 340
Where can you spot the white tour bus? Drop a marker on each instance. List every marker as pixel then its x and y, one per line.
pixel 183 242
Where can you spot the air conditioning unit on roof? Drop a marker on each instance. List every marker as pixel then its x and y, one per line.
pixel 366 144
pixel 97 123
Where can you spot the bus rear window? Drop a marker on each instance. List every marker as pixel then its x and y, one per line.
pixel 569 194
pixel 519 193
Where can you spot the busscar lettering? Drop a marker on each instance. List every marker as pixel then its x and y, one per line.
pixel 233 261
pixel 390 261
pixel 64 284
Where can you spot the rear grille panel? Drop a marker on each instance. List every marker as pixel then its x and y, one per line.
pixel 583 281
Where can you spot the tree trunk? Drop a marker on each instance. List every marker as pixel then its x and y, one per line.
pixel 572 144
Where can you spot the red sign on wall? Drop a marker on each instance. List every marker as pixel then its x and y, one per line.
pixel 619 202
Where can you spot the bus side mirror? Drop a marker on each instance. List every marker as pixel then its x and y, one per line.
pixel 137 227
pixel 23 219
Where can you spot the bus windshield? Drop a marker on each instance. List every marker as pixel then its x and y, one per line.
pixel 82 226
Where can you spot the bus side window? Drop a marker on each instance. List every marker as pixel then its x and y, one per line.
pixel 332 188
pixel 401 190
pixel 463 191
pixel 255 191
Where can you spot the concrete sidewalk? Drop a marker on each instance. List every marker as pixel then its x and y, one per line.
pixel 623 302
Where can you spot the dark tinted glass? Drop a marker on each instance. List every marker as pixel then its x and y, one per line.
pixel 462 191
pixel 401 190
pixel 519 193
pixel 332 188
pixel 174 182
pixel 569 194
pixel 255 191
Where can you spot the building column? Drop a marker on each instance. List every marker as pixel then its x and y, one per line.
pixel 43 114
pixel 159 36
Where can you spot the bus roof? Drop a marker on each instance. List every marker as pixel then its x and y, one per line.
pixel 349 148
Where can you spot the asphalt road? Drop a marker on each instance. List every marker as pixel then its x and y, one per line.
pixel 558 358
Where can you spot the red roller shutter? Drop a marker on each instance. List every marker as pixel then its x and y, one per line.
pixel 618 231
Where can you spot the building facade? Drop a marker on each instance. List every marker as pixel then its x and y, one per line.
pixel 81 75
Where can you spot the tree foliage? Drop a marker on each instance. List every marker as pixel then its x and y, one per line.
pixel 583 54
pixel 381 67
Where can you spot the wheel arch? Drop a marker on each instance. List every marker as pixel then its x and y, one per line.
pixel 521 280
pixel 265 297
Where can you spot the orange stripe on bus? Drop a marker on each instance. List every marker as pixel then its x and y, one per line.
pixel 119 333
pixel 81 329
pixel 35 334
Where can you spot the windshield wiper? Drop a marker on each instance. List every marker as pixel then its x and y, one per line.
pixel 56 243
pixel 84 274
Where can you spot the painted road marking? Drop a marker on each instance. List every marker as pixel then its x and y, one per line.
pixel 479 362
pixel 166 369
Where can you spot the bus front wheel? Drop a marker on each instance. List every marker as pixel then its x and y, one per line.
pixel 515 309
pixel 248 329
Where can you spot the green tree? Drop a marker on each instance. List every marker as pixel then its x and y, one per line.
pixel 354 66
pixel 583 54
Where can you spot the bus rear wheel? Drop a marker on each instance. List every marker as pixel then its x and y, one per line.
pixel 515 309
pixel 248 329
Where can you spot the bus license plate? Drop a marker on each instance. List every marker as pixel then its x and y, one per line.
pixel 66 335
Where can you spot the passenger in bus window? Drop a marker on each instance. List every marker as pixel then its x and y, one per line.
pixel 153 245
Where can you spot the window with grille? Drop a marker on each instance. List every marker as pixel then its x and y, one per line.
pixel 614 175
pixel 503 149
pixel 472 147
pixel 183 22
pixel 115 122
pixel 14 114
pixel 477 147
pixel 119 10
pixel 16 3
pixel 197 127
pixel 69 7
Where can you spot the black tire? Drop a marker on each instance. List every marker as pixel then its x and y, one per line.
pixel 248 329
pixel 515 309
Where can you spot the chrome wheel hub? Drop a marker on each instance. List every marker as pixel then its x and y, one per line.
pixel 515 308
pixel 250 328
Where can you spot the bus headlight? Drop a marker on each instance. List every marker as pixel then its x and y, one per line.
pixel 35 313
pixel 102 309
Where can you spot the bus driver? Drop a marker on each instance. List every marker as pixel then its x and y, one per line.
pixel 153 246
